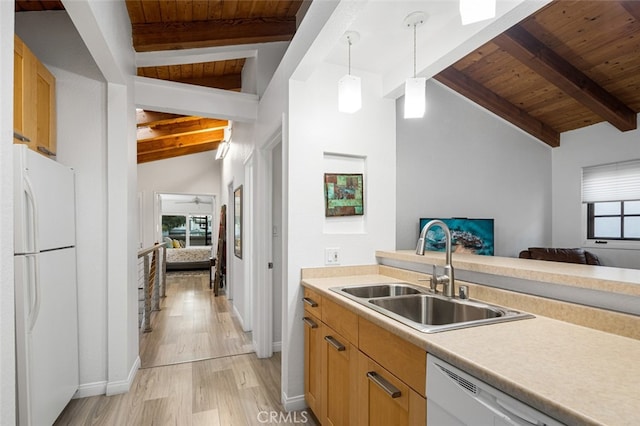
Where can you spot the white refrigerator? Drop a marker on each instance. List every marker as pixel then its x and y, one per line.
pixel 45 287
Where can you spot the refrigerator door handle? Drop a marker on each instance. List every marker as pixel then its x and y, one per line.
pixel 34 293
pixel 32 217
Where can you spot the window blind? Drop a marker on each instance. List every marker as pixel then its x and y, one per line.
pixel 611 182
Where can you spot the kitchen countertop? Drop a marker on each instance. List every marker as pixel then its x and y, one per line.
pixel 572 373
pixel 617 280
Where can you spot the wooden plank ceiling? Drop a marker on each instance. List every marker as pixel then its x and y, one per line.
pixel 186 24
pixel 570 65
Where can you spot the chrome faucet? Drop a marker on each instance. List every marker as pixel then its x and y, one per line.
pixel 447 280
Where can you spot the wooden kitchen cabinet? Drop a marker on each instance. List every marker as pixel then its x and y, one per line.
pixel 353 368
pixel 34 101
pixel 383 399
pixel 313 346
pixel 339 380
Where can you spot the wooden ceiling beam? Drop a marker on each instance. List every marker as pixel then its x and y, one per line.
pixel 144 157
pixel 633 7
pixel 181 128
pixel 484 97
pixel 534 54
pixel 221 32
pixel 178 141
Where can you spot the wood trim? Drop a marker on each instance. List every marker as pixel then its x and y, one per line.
pixel 484 97
pixel 523 46
pixel 182 35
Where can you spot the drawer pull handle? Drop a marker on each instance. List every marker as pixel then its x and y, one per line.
pixel 310 302
pixel 333 342
pixel 387 387
pixel 310 322
pixel 20 137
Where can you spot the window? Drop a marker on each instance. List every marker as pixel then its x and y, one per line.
pixel 198 233
pixel 617 220
pixel 611 193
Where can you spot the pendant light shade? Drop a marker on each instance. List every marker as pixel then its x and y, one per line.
pixel 349 94
pixel 414 88
pixel 472 11
pixel 349 86
pixel 414 97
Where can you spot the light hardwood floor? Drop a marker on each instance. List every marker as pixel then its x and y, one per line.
pixel 192 325
pixel 228 389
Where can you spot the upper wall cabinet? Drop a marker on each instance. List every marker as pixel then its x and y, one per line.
pixel 34 101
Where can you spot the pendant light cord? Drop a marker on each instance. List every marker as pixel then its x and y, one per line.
pixel 349 40
pixel 414 50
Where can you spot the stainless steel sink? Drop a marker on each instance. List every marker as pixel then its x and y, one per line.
pixel 416 307
pixel 382 290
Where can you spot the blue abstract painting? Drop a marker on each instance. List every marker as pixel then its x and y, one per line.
pixel 473 236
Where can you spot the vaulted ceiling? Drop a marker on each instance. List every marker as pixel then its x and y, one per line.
pixel 569 65
pixel 190 24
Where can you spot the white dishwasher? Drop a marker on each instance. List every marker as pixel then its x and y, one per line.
pixel 455 398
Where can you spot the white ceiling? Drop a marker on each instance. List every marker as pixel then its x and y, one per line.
pixel 386 45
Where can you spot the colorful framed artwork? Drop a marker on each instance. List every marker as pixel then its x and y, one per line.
pixel 237 222
pixel 474 236
pixel 343 194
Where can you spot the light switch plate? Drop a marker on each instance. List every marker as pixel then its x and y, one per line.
pixel 332 256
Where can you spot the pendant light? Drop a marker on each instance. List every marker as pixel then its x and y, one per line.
pixel 472 11
pixel 349 87
pixel 414 88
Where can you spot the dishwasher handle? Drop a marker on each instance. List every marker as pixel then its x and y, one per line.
pixel 512 411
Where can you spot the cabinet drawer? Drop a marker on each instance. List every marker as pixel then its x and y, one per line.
pixel 403 359
pixel 312 302
pixel 341 320
pixel 383 399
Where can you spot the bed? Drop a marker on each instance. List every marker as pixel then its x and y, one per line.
pixel 190 258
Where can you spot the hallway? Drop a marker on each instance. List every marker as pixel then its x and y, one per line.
pixel 192 324
pixel 199 369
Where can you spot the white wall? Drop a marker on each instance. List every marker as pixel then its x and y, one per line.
pixel 276 214
pixel 462 161
pixel 315 129
pixel 7 323
pixel 81 118
pixel 593 145
pixel 189 174
pixel 233 174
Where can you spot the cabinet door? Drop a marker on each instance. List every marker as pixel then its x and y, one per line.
pixel 339 385
pixel 313 339
pixel 34 100
pixel 24 96
pixel 383 399
pixel 46 109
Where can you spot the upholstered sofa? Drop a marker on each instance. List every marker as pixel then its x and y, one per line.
pixel 569 255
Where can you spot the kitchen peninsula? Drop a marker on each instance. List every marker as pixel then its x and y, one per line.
pixel 574 362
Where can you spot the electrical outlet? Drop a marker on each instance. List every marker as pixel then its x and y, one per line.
pixel 332 256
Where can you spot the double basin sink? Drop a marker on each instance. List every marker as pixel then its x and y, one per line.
pixel 417 307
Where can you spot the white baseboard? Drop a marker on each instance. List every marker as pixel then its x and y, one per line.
pixel 277 346
pixel 91 389
pixel 293 403
pixel 237 314
pixel 123 386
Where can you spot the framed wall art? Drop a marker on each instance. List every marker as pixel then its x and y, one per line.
pixel 343 194
pixel 237 222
